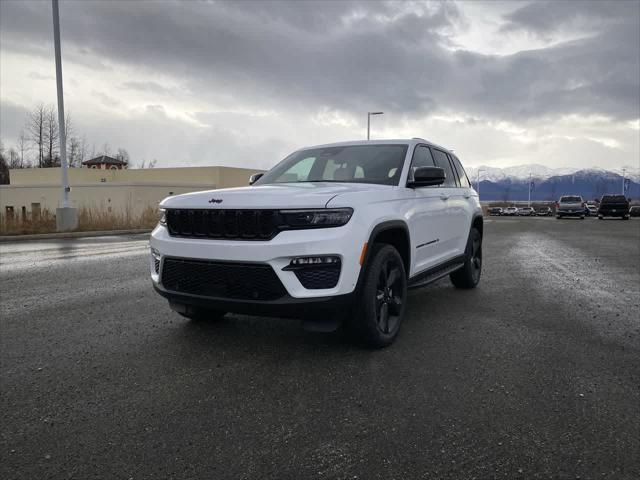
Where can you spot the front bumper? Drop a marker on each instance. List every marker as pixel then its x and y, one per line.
pixel 571 213
pixel 285 307
pixel 277 253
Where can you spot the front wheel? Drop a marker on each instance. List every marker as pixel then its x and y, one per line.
pixel 380 305
pixel 469 275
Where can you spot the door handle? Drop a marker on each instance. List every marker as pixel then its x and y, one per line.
pixel 444 197
pixel 467 195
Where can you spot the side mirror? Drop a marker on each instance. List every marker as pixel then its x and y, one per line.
pixel 254 178
pixel 427 177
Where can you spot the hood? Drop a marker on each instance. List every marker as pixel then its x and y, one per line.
pixel 282 195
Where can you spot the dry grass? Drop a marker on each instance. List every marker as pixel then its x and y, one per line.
pixel 88 220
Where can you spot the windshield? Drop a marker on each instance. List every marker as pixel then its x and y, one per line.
pixel 381 164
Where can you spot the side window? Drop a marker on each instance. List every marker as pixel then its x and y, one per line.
pixel 442 161
pixel 462 175
pixel 422 157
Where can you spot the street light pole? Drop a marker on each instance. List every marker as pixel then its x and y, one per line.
pixel 529 204
pixel 369 121
pixel 65 216
pixel 624 171
pixel 478 181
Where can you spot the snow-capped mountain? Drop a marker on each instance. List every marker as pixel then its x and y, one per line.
pixel 512 183
pixel 541 172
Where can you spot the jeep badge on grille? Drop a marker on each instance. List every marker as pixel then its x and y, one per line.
pixel 215 200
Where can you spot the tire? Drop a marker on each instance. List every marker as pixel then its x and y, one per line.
pixel 381 299
pixel 203 315
pixel 469 275
pixel 581 217
pixel 559 217
pixel 625 218
pixel 600 217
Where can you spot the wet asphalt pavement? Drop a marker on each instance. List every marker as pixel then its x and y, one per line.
pixel 535 374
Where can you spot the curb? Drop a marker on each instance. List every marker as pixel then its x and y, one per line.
pixel 49 236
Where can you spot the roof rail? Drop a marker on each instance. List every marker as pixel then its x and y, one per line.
pixel 418 138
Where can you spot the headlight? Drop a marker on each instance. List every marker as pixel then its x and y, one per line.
pixel 317 218
pixel 163 217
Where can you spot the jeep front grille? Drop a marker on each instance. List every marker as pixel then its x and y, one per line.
pixel 243 281
pixel 258 224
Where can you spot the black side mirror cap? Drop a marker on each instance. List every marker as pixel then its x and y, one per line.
pixel 254 178
pixel 427 177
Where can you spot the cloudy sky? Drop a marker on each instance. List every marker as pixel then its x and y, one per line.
pixel 244 83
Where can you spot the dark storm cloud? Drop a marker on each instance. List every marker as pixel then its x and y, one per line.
pixel 352 56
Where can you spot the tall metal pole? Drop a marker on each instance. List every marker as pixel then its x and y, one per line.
pixel 529 204
pixel 61 122
pixel 624 171
pixel 368 124
pixel 369 121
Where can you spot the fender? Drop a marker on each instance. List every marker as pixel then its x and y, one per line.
pixel 379 228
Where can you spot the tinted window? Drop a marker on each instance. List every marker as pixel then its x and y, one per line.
pixel 422 157
pixel 462 175
pixel 570 199
pixel 614 199
pixel 353 164
pixel 442 161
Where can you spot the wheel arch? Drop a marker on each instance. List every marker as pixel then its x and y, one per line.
pixel 477 222
pixel 395 233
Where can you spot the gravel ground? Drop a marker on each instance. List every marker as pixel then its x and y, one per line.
pixel 535 374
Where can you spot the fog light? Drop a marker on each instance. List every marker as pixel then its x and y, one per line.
pixel 325 260
pixel 155 255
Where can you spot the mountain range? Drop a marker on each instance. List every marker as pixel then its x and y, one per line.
pixel 512 183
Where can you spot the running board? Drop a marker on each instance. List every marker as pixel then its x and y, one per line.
pixel 431 276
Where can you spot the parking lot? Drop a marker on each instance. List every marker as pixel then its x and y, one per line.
pixel 535 374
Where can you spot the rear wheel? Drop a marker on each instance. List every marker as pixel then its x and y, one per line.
pixel 558 217
pixel 381 301
pixel 469 275
pixel 625 217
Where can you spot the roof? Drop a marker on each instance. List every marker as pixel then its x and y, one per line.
pixel 104 159
pixel 407 141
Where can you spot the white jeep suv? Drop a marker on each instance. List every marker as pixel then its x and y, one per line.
pixel 332 234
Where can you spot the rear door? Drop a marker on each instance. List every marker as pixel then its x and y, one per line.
pixel 462 205
pixel 449 194
pixel 427 217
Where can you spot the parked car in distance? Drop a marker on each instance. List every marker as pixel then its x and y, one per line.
pixel 634 211
pixel 592 209
pixel 495 211
pixel 334 234
pixel 570 206
pixel 510 211
pixel 527 212
pixel 614 206
pixel 545 212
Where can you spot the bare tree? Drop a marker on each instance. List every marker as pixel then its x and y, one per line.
pixel 122 155
pixel 14 159
pixel 36 128
pixel 51 136
pixel 22 146
pixel 152 163
pixel 73 152
pixel 106 149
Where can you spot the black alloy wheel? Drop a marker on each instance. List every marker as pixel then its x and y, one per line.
pixel 469 275
pixel 381 298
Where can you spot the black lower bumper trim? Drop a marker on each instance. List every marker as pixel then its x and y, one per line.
pixel 286 307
